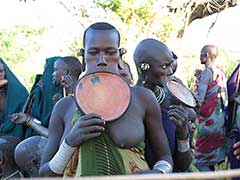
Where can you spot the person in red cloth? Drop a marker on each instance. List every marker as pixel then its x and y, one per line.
pixel 210 147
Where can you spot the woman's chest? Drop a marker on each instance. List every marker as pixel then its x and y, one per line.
pixel 127 131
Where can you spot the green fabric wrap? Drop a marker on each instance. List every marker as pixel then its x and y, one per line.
pixel 37 98
pixel 48 90
pixel 42 95
pixel 99 156
pixel 16 97
pixel 37 104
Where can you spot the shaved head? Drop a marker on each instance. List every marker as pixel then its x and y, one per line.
pixel 148 48
pixel 7 163
pixel 211 50
pixel 8 144
pixel 72 64
pixel 154 62
pixel 28 154
pixel 101 26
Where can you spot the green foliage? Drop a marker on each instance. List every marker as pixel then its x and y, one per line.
pixel 188 63
pixel 28 79
pixel 128 11
pixel 18 43
pixel 113 5
pixel 143 12
pixel 75 45
pixel 166 29
pixel 144 16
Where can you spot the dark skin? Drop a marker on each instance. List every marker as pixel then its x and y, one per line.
pixel 126 74
pixel 2 72
pixel 28 154
pixel 205 77
pixel 101 54
pixel 161 62
pixel 3 91
pixel 8 167
pixel 236 151
pixel 23 118
pixel 3 96
pixel 174 64
pixel 65 76
pixel 61 75
pixel 191 113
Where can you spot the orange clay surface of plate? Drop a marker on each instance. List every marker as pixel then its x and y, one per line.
pixel 182 93
pixel 103 93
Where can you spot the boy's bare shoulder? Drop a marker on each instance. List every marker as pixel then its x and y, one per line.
pixel 64 103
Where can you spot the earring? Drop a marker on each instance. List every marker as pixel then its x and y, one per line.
pixel 131 82
pixel 121 64
pixel 145 79
pixel 144 66
pixel 122 51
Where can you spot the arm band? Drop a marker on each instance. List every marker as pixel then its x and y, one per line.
pixel 183 145
pixel 59 162
pixel 163 166
pixel 32 120
pixel 36 125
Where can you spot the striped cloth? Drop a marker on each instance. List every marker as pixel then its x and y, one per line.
pixel 99 156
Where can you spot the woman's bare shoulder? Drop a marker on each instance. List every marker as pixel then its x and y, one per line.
pixel 143 93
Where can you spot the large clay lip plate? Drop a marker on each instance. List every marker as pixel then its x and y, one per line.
pixel 103 93
pixel 181 93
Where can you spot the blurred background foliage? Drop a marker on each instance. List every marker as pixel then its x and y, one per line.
pixel 165 20
pixel 18 44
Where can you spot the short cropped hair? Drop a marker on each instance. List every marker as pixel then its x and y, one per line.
pixel 73 64
pixel 102 26
pixel 212 50
pixel 145 49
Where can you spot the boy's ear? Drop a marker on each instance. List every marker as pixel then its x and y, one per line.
pixel 207 54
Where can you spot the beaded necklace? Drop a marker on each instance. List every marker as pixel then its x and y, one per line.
pixel 160 94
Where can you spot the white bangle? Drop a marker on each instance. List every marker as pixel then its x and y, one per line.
pixel 163 166
pixel 183 145
pixel 36 121
pixel 60 160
